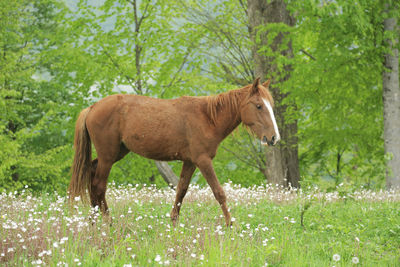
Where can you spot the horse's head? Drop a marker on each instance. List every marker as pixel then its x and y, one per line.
pixel 258 115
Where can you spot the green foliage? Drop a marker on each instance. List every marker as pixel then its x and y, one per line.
pixel 336 83
pixel 32 125
pixel 58 57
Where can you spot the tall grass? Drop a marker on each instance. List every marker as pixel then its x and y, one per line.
pixel 339 229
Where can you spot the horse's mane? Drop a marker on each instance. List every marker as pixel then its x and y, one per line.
pixel 232 100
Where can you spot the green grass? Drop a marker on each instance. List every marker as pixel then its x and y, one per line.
pixel 265 231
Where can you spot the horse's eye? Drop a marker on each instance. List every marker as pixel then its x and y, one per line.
pixel 259 106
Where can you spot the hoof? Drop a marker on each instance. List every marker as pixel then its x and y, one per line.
pixel 174 220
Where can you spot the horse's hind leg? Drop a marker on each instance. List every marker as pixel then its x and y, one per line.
pixel 188 169
pixel 100 170
pixel 99 186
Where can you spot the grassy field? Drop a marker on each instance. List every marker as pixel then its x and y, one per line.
pixel 339 229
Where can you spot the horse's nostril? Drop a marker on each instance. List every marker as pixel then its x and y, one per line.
pixel 273 139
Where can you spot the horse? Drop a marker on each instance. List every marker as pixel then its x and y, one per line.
pixel 187 128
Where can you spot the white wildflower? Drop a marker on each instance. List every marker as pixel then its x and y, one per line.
pixel 336 257
pixel 158 258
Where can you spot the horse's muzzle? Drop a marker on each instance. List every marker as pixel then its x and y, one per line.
pixel 271 142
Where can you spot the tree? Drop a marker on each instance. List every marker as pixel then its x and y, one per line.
pixel 336 83
pixel 391 96
pixel 138 50
pixel 32 149
pixel 269 51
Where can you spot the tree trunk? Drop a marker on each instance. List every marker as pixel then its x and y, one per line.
pixel 165 170
pixel 167 173
pixel 391 105
pixel 282 161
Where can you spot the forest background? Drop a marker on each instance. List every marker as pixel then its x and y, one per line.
pixel 328 72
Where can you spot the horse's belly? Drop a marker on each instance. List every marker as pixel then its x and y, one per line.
pixel 155 130
pixel 155 146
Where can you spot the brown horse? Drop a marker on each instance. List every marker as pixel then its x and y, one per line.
pixel 187 129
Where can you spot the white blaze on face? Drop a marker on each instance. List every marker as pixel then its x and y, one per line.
pixel 271 113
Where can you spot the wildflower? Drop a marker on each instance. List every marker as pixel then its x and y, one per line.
pixel 127 265
pixel 193 255
pixel 201 257
pixel 10 250
pixel 336 257
pixel 38 262
pixel 250 215
pixel 158 258
pixel 166 262
pixel 355 260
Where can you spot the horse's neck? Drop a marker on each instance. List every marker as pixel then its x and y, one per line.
pixel 227 120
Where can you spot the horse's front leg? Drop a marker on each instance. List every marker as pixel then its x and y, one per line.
pixel 206 168
pixel 188 169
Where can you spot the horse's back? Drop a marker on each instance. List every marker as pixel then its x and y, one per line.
pixel 154 128
pixel 157 128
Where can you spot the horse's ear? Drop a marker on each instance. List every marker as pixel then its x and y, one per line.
pixel 254 87
pixel 266 84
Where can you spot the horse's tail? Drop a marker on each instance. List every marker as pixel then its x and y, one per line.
pixel 81 168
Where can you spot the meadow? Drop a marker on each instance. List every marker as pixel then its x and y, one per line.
pixel 272 227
